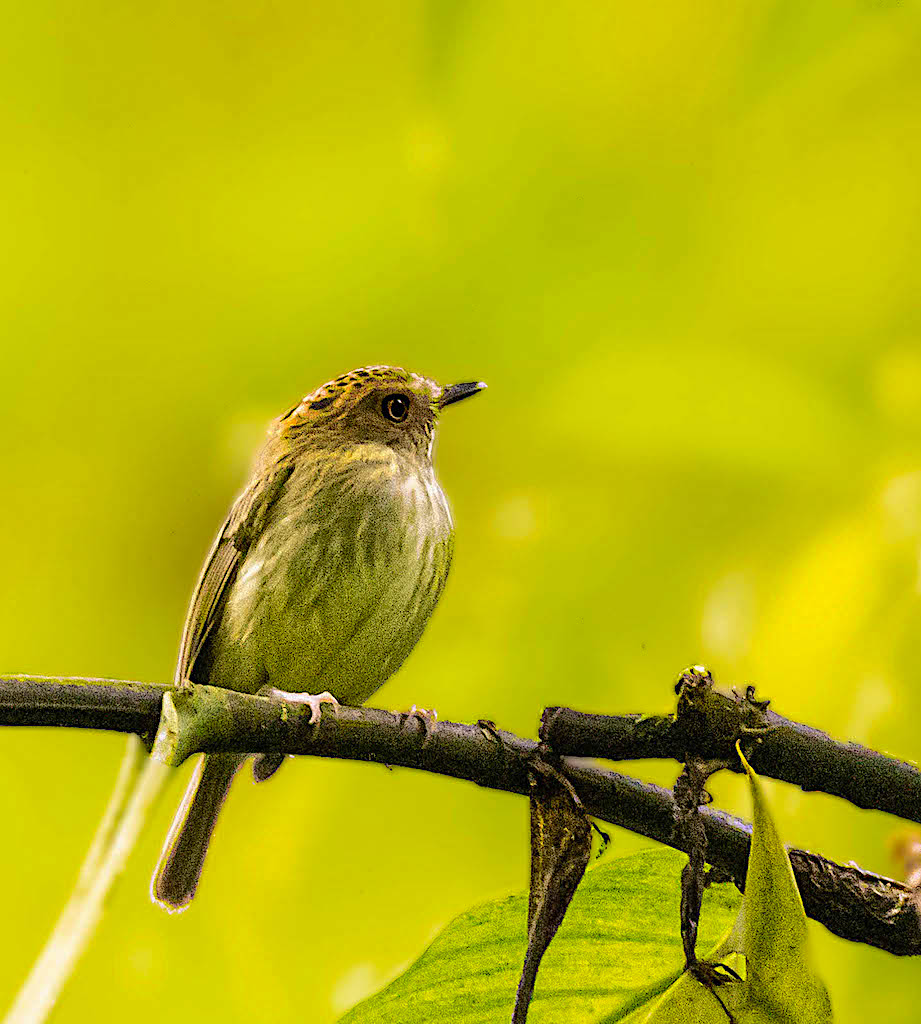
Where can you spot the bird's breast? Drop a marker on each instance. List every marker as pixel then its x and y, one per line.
pixel 339 587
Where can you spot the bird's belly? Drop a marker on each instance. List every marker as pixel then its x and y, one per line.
pixel 314 656
pixel 316 610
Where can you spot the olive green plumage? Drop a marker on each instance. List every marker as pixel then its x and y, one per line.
pixel 324 574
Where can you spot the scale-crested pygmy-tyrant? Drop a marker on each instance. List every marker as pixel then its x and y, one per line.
pixel 324 574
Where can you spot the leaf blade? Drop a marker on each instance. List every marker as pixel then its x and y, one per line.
pixel 618 948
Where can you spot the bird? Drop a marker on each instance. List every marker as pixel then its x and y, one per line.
pixel 321 579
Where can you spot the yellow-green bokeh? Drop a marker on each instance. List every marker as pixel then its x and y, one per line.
pixel 680 242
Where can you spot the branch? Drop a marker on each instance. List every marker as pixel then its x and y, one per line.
pixel 855 904
pixel 788 751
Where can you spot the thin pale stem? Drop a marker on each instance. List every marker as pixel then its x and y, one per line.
pixel 53 967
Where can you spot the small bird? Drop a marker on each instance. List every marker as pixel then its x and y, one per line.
pixel 323 576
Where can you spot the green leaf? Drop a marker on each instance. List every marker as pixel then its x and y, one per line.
pixel 768 946
pixel 773 929
pixel 685 1001
pixel 618 948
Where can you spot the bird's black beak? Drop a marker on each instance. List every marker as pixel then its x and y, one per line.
pixel 458 391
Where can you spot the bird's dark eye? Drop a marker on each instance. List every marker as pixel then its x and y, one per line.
pixel 395 408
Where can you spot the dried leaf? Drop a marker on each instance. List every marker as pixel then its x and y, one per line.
pixel 768 947
pixel 561 843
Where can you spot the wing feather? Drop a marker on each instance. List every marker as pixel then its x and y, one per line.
pixel 241 528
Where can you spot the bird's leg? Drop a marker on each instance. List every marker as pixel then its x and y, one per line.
pixel 314 700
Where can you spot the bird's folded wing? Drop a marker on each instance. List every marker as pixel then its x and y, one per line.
pixel 244 524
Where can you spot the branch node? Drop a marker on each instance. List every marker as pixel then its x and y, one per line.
pixel 709 723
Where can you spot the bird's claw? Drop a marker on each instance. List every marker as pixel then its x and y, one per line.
pixel 428 718
pixel 314 701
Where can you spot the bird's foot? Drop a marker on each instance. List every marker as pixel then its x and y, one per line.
pixel 428 718
pixel 314 700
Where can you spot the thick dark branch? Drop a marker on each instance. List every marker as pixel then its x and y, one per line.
pixel 788 751
pixel 81 703
pixel 855 904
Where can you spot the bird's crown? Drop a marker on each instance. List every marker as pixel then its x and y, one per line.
pixel 384 404
pixel 336 396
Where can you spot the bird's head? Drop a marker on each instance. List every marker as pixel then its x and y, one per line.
pixel 383 404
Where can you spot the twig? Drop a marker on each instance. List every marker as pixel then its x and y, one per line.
pixel 788 751
pixel 62 950
pixel 855 904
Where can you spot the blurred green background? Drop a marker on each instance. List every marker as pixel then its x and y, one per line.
pixel 680 242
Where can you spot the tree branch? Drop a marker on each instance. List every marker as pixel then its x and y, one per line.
pixel 788 751
pixel 856 904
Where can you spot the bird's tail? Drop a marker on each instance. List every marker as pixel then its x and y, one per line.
pixel 140 780
pixel 183 857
